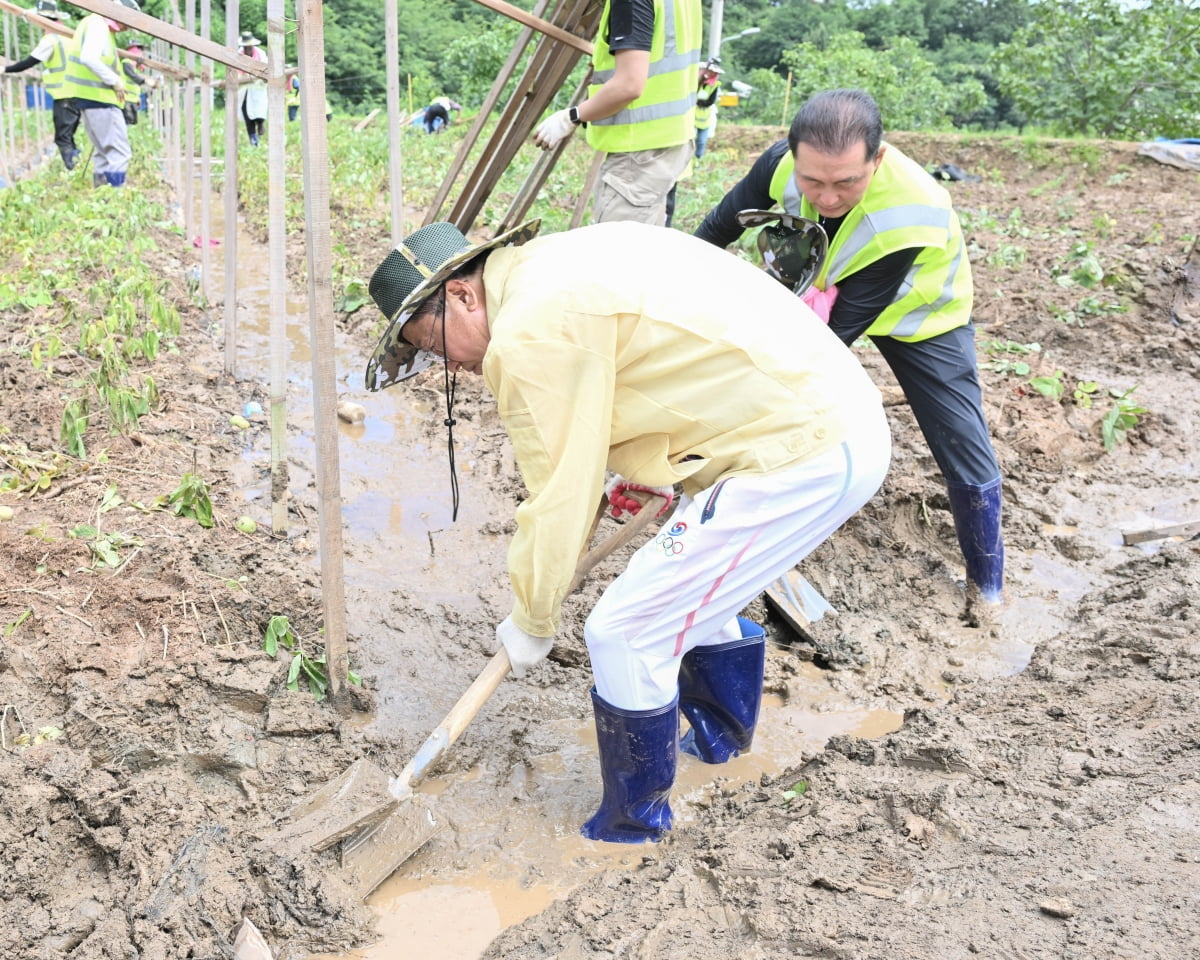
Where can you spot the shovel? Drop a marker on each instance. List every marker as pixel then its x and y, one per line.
pixel 377 819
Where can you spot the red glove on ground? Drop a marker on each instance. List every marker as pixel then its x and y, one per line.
pixel 616 489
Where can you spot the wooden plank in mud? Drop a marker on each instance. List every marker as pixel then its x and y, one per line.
pixel 1161 533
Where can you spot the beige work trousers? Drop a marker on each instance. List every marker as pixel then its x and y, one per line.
pixel 634 186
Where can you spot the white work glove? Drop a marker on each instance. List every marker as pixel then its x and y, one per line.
pixel 119 89
pixel 615 491
pixel 524 651
pixel 554 130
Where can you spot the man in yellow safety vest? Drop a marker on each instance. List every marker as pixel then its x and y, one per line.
pixel 640 107
pixel 51 55
pixel 98 86
pixel 897 271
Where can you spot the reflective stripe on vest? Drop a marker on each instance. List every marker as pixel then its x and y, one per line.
pixel 80 81
pixel 54 70
pixel 903 208
pixel 663 116
pixel 132 90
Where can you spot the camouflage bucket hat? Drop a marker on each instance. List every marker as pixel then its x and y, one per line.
pixel 409 276
pixel 793 248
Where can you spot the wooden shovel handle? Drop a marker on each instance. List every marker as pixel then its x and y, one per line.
pixel 477 694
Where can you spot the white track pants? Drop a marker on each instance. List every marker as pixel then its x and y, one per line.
pixel 106 129
pixel 713 556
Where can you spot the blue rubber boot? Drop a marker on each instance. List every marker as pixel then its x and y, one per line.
pixel 976 509
pixel 638 750
pixel 116 179
pixel 720 690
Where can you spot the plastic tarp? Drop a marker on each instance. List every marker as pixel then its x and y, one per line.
pixel 1178 153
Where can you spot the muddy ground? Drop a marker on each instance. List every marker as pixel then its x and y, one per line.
pixel 1047 810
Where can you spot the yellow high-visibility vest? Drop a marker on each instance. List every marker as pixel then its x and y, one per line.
pixel 79 80
pixel 904 207
pixel 664 115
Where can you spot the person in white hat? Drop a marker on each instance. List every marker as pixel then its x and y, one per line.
pixel 252 100
pixel 603 354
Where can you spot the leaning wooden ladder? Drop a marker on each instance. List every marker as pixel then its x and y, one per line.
pixel 550 65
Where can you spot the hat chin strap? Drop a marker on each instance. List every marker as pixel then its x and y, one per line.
pixel 451 382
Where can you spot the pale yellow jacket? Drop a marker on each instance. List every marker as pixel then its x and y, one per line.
pixel 659 356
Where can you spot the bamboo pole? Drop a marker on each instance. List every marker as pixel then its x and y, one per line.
pixel 320 306
pixel 39 92
pixel 277 256
pixel 11 111
pixel 189 134
pixel 206 73
pixel 230 191
pixel 391 54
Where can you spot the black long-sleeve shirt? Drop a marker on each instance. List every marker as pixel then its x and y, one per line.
pixel 862 296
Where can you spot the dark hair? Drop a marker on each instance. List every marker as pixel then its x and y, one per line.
pixel 471 268
pixel 834 120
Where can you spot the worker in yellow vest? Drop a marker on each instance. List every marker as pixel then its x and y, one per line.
pixel 896 271
pixel 95 80
pixel 707 92
pixel 134 82
pixel 640 107
pixel 51 55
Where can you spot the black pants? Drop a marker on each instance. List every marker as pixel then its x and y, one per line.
pixel 254 126
pixel 436 110
pixel 941 381
pixel 66 122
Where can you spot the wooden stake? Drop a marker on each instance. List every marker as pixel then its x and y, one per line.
pixel 391 53
pixel 277 255
pixel 189 134
pixel 320 306
pixel 206 75
pixel 230 192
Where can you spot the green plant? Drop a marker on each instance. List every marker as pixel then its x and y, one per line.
pixel 189 499
pixel 74 426
pixel 105 547
pixel 1121 417
pixel 1050 386
pixel 304 665
pixel 797 789
pixel 1005 364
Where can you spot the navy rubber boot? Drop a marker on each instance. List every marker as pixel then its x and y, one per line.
pixel 638 750
pixel 720 691
pixel 116 179
pixel 976 509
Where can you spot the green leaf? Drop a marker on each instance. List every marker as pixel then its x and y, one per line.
pixel 293 676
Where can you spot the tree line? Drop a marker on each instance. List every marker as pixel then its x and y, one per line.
pixel 1127 69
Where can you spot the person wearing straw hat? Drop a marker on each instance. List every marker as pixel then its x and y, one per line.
pixel 897 272
pixel 93 78
pixel 51 55
pixel 603 355
pixel 252 101
pixel 640 105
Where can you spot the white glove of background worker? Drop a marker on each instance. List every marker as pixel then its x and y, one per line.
pixel 615 491
pixel 554 130
pixel 524 651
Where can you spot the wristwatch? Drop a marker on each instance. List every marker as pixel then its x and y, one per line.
pixel 573 115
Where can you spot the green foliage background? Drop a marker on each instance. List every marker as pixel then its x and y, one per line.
pixel 1116 68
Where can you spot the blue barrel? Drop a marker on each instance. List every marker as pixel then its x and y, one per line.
pixel 32 98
